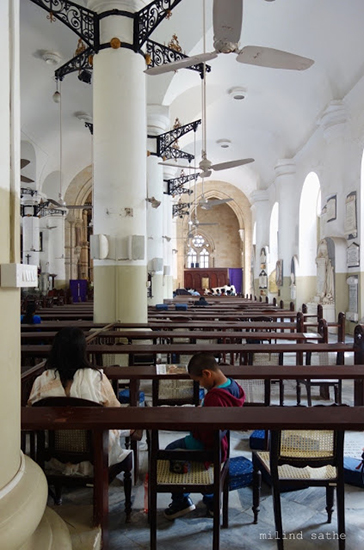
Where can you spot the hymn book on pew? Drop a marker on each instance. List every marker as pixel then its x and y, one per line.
pixel 171 369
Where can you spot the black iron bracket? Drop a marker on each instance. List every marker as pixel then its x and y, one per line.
pixel 81 62
pixel 175 185
pixel 180 209
pixel 148 19
pixel 165 141
pixel 90 126
pixel 82 21
pixel 161 55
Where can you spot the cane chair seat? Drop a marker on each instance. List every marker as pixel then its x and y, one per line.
pixel 300 459
pixel 197 475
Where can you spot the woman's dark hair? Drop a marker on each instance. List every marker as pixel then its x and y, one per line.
pixel 200 362
pixel 68 353
pixel 28 316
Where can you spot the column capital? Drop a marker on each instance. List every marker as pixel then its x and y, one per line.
pixel 258 196
pixel 285 167
pixel 333 119
pixel 157 119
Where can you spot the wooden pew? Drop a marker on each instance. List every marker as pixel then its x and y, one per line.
pixel 100 420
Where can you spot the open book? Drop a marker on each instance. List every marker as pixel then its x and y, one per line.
pixel 172 369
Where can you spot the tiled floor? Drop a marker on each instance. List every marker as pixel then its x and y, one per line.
pixel 303 512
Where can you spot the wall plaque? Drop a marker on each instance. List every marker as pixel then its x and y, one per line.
pixel 353 255
pixel 351 226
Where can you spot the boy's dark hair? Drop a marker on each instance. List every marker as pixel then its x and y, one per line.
pixel 200 362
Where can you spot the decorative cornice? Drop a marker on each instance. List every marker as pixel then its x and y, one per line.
pixel 259 195
pixel 333 119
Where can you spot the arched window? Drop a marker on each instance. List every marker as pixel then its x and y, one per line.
pixel 198 254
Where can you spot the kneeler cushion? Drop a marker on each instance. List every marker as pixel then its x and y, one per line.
pixel 353 476
pixel 240 472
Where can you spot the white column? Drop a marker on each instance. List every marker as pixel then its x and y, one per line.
pixel 333 123
pixel 170 257
pixel 30 237
pixel 56 241
pixel 120 149
pixel 261 215
pixel 158 123
pixel 23 486
pixel 285 170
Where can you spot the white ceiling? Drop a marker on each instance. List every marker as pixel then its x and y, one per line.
pixel 277 117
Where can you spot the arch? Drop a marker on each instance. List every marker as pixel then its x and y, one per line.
pixel 240 206
pixel 309 211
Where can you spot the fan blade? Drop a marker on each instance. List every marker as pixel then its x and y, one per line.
pixel 227 21
pixel 24 179
pixel 274 59
pixel 214 202
pixel 24 163
pixel 181 64
pixel 178 165
pixel 201 223
pixel 231 164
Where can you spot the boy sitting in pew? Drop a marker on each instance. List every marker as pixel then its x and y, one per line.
pixel 221 392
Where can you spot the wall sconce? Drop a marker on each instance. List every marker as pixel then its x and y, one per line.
pixel 168 239
pixel 174 251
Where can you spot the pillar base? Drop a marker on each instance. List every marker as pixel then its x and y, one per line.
pixel 51 534
pixel 22 504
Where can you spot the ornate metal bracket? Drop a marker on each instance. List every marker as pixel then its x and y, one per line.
pixel 175 185
pixel 81 62
pixel 90 126
pixel 148 19
pixel 181 209
pixel 82 21
pixel 160 55
pixel 165 142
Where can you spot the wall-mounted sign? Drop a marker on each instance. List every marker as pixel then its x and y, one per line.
pixel 351 226
pixel 353 255
pixel 331 208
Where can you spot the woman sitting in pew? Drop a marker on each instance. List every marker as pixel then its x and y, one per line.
pixel 69 374
pixel 29 316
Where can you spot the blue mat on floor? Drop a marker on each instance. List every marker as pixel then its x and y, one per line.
pixel 124 397
pixel 257 440
pixel 353 476
pixel 240 472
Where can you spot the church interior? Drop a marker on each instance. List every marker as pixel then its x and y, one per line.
pixel 157 151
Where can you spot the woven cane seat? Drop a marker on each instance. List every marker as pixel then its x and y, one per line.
pixel 291 472
pixel 198 474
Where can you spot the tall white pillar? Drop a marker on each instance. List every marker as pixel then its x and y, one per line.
pixel 120 149
pixel 56 241
pixel 285 170
pixel 30 236
pixel 169 229
pixel 261 215
pixel 158 122
pixel 23 486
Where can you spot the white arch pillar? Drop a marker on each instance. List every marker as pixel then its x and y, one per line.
pixel 261 215
pixel 158 122
pixel 285 170
pixel 119 115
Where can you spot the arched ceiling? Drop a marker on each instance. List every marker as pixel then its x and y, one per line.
pixel 275 120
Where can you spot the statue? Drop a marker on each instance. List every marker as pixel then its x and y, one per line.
pixel 325 274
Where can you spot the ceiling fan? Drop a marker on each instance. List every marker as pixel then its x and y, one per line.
pixel 23 164
pixel 207 204
pixel 205 165
pixel 227 22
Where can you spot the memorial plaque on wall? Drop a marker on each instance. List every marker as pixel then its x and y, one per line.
pixel 351 227
pixel 331 208
pixel 352 314
pixel 353 255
